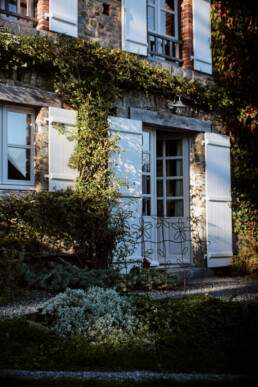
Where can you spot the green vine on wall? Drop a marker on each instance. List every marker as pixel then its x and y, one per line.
pixel 235 57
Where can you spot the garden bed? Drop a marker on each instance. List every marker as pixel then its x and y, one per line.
pixel 192 334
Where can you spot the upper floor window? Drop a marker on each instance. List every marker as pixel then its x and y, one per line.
pixel 163 29
pixel 16 146
pixel 21 10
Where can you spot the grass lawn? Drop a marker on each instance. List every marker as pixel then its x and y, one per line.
pixel 207 336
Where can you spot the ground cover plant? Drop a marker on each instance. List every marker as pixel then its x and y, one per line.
pixel 192 334
pixel 17 276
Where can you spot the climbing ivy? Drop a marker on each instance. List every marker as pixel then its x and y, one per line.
pixel 235 56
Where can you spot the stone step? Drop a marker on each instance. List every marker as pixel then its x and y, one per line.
pixel 190 272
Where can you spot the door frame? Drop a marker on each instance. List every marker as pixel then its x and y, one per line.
pixel 148 219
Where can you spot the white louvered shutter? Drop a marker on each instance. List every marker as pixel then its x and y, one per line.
pixel 128 165
pixel 202 36
pixel 134 26
pixel 218 200
pixel 61 147
pixel 63 16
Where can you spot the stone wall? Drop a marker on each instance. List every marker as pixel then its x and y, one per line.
pixel 100 21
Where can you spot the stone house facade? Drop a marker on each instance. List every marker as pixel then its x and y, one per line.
pixel 176 162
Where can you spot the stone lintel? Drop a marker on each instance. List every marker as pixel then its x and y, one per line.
pixel 26 96
pixel 162 118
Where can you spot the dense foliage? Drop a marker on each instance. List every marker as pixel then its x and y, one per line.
pixel 59 221
pixel 235 57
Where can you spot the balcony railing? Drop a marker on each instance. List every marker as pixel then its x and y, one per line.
pixel 164 47
pixel 23 11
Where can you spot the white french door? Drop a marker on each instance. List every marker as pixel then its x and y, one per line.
pixel 165 178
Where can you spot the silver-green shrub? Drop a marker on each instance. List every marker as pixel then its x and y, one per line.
pixel 100 315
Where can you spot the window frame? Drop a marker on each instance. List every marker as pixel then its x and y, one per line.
pixel 6 183
pixel 153 197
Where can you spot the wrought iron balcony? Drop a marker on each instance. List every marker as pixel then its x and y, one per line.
pixel 164 47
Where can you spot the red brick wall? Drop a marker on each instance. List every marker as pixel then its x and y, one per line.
pixel 42 7
pixel 186 32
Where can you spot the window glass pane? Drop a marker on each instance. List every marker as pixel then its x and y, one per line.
pixel 174 168
pixel 175 208
pixel 159 187
pixel 18 164
pixel 160 211
pixel 146 141
pixel 19 128
pixel 174 148
pixel 151 18
pixel 151 1
pixel 174 187
pixel 159 148
pixel 146 207
pixel 167 23
pixel 146 184
pixel 159 168
pixel 146 162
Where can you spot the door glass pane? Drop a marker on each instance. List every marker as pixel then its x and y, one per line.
pixel 146 162
pixel 12 5
pixel 18 128
pixel 159 168
pixel 160 211
pixel 174 208
pixel 159 148
pixel 174 168
pixel 146 207
pixel 146 184
pixel 151 18
pixel 174 187
pixel 18 164
pixel 167 23
pixel 146 141
pixel 159 187
pixel 23 9
pixel 168 4
pixel 174 148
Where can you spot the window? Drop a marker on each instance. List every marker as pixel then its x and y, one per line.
pixel 17 147
pixel 163 29
pixel 21 10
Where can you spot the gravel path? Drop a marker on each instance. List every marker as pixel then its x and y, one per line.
pixel 122 375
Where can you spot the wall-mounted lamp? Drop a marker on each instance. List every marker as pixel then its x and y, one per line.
pixel 177 105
